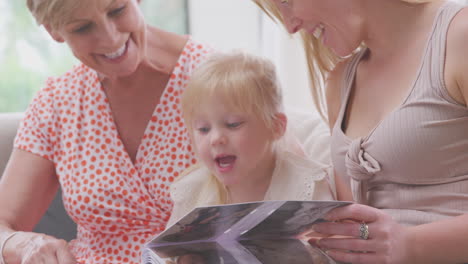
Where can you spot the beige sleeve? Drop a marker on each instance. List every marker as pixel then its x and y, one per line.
pixel 195 187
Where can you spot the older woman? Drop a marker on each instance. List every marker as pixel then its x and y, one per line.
pixel 109 132
pixel 397 94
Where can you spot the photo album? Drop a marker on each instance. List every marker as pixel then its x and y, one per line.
pixel 267 232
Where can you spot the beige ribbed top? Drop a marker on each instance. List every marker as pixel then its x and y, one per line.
pixel 414 163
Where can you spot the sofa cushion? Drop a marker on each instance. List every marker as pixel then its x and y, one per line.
pixel 8 123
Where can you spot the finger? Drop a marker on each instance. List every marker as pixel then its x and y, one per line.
pixel 357 212
pixel 49 260
pixel 40 259
pixel 309 234
pixel 354 257
pixel 33 254
pixel 348 244
pixel 349 229
pixel 42 249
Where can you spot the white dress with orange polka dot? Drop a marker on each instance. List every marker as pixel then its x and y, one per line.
pixel 118 205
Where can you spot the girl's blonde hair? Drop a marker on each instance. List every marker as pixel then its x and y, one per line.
pixel 248 83
pixel 320 59
pixel 52 12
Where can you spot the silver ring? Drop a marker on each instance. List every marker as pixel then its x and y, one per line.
pixel 364 231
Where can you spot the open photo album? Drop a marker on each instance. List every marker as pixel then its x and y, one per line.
pixel 249 233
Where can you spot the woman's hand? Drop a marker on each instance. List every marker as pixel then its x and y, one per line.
pixel 387 241
pixel 34 248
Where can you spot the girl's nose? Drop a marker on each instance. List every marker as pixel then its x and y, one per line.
pixel 218 137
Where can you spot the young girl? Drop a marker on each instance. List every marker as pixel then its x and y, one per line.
pixel 234 114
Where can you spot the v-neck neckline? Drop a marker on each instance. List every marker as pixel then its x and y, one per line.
pixel 350 85
pixel 157 111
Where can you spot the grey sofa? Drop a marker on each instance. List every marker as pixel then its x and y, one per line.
pixel 56 221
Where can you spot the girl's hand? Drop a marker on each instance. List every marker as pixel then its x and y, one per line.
pixel 29 248
pixel 387 241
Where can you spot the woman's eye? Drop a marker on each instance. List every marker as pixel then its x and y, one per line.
pixel 117 11
pixel 285 2
pixel 83 29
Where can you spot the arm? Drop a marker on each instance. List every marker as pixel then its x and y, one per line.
pixel 456 65
pixel 27 187
pixel 440 242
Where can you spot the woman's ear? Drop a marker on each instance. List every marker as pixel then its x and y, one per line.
pixel 54 34
pixel 280 123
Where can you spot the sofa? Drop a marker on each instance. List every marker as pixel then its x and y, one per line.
pixel 55 221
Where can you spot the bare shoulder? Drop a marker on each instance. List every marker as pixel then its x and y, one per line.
pixel 333 91
pixel 456 64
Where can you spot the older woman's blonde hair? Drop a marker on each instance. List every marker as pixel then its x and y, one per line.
pixel 246 82
pixel 320 59
pixel 52 12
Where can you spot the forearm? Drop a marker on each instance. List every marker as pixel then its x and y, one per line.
pixel 440 242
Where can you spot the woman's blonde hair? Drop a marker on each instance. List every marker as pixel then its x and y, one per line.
pixel 247 82
pixel 320 59
pixel 52 12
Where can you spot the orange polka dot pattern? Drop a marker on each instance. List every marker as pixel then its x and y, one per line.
pixel 118 205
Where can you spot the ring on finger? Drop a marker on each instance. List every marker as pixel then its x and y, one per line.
pixel 364 231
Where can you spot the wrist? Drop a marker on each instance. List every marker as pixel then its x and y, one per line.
pixel 4 259
pixel 413 247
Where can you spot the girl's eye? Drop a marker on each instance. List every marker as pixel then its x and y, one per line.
pixel 203 130
pixel 117 11
pixel 83 29
pixel 234 124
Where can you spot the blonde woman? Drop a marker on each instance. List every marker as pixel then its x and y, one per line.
pixel 396 100
pixel 234 113
pixel 109 132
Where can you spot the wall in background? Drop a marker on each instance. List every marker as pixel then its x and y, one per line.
pixel 28 55
pixel 235 24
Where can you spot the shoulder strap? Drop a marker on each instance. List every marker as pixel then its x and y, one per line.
pixel 438 41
